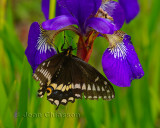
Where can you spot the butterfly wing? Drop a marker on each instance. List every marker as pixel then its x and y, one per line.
pixel 46 70
pixel 65 78
pixel 94 85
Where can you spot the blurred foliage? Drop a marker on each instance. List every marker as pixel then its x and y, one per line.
pixel 136 106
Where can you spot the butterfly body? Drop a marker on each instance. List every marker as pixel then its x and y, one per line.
pixel 65 77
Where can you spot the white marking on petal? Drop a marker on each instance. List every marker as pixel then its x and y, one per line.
pixel 119 50
pixel 42 44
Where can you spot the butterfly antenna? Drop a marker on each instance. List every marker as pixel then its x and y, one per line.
pixel 63 42
pixel 71 41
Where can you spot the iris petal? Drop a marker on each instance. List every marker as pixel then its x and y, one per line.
pixel 60 10
pixel 131 8
pixel 59 22
pixel 81 9
pixel 101 25
pixel 38 49
pixel 121 64
pixel 45 8
pixel 115 10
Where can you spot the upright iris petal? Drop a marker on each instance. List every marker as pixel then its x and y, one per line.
pixel 120 61
pixel 114 9
pixel 45 8
pixel 60 10
pixel 131 8
pixel 81 9
pixel 38 48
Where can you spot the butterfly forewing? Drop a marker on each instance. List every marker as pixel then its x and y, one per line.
pixel 66 77
pixel 46 70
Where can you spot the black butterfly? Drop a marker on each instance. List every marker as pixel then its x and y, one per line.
pixel 65 77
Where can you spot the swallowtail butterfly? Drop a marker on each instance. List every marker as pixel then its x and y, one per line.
pixel 65 77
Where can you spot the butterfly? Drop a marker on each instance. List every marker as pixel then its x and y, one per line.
pixel 65 77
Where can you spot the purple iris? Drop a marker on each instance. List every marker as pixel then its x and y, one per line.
pixel 93 17
pixel 39 46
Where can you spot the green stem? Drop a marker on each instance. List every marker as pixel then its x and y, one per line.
pixel 52 9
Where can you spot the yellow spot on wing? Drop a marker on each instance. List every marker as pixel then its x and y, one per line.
pixel 67 88
pixel 70 86
pixel 54 85
pixel 59 87
pixel 49 81
pixel 64 88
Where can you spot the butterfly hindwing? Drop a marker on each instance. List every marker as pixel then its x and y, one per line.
pixel 95 85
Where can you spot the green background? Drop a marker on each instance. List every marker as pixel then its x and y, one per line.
pixel 137 106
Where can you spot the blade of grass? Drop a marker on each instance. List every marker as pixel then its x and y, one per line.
pixel 23 96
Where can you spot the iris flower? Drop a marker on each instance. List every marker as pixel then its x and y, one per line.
pixel 89 19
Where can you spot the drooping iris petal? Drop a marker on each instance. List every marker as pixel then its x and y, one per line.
pixel 121 64
pixel 131 9
pixel 38 49
pixel 45 8
pixel 60 10
pixel 101 25
pixel 115 10
pixel 59 22
pixel 81 9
